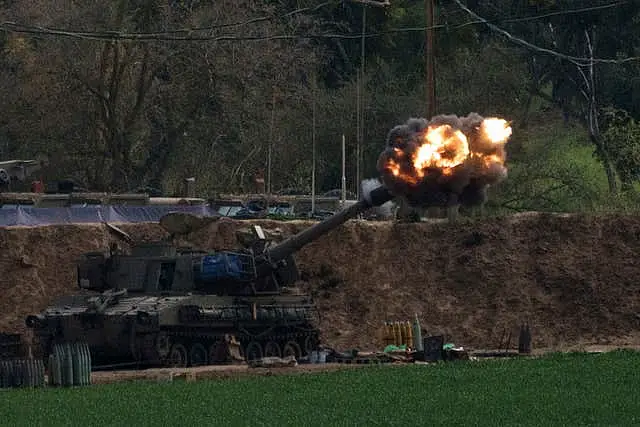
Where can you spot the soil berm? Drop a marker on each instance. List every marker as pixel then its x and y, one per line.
pixel 574 278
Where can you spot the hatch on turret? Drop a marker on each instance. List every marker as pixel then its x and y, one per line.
pixel 160 275
pixel 92 271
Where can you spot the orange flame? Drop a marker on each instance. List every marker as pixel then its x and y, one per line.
pixel 444 148
pixel 394 167
pixel 496 130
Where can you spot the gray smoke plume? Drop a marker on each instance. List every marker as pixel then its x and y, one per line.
pixel 385 210
pixel 461 169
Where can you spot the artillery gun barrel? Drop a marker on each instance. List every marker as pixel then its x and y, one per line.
pixel 376 197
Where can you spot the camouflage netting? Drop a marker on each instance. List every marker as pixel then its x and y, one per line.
pixel 574 278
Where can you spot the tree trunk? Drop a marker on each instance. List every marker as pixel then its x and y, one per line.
pixel 524 121
pixel 606 162
pixel 592 115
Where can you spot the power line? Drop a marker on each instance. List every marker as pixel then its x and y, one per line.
pixel 383 3
pixel 100 35
pixel 546 15
pixel 144 36
pixel 169 35
pixel 149 37
pixel 580 61
pixel 192 36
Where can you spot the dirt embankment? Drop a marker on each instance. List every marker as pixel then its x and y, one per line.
pixel 574 278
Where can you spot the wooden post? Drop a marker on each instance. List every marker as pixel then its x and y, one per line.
pixel 270 148
pixel 429 62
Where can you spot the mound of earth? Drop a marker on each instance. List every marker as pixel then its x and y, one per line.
pixel 574 278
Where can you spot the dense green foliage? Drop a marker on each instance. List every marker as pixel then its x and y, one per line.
pixel 116 115
pixel 564 389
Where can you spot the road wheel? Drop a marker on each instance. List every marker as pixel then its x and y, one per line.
pixel 146 349
pixel 135 341
pixel 163 345
pixel 177 356
pixel 253 351
pixel 218 353
pixel 291 348
pixel 272 349
pixel 310 344
pixel 198 355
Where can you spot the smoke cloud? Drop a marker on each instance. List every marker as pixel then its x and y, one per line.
pixel 385 210
pixel 445 161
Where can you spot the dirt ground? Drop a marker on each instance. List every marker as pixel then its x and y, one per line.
pixel 213 372
pixel 574 278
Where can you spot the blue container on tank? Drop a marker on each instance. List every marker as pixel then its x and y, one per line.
pixel 220 266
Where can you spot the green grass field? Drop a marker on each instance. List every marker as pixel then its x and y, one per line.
pixel 558 390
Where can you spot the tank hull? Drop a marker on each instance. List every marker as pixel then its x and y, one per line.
pixel 183 330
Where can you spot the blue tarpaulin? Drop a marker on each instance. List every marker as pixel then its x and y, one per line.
pixel 30 216
pixel 221 266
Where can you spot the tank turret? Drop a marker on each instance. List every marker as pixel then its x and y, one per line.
pixel 259 268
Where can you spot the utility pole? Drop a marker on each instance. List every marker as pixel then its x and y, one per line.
pixel 270 148
pixel 360 88
pixel 358 117
pixel 313 151
pixel 360 109
pixel 344 171
pixel 429 62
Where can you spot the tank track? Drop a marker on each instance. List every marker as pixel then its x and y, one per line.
pixel 183 347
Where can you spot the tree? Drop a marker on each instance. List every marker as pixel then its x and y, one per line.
pixel 577 84
pixel 137 112
pixel 621 138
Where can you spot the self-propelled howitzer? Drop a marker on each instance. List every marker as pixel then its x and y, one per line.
pixel 163 305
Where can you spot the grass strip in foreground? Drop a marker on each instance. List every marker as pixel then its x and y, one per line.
pixel 561 389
